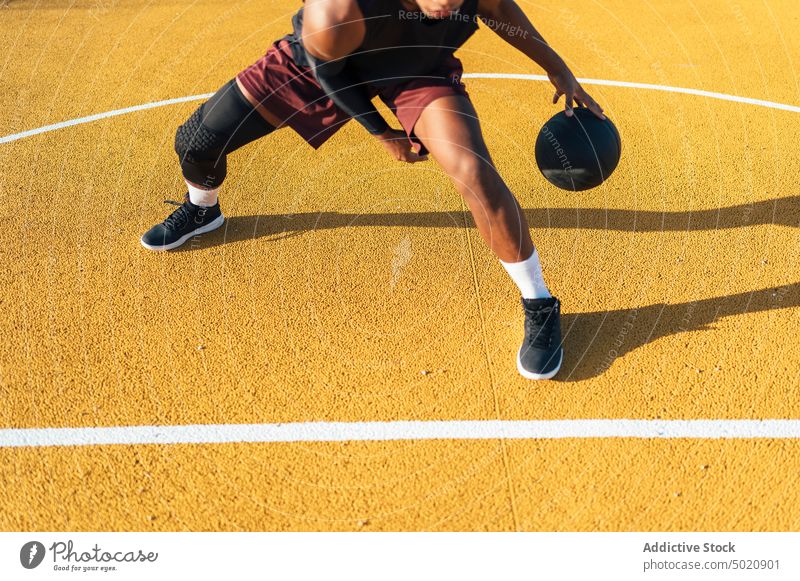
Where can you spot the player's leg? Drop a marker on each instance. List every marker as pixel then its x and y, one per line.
pixel 221 125
pixel 449 129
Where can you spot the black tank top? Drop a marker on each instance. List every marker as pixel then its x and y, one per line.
pixel 398 44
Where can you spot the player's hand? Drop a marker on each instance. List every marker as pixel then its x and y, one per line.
pixel 397 144
pixel 566 84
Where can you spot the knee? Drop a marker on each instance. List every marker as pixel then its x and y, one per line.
pixel 201 151
pixel 195 141
pixel 477 178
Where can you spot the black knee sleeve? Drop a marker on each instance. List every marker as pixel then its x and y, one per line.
pixel 219 126
pixel 201 152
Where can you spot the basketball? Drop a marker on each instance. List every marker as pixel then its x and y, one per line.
pixel 579 152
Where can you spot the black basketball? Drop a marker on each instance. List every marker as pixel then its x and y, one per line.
pixel 579 152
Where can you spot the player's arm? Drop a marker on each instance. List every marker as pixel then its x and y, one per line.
pixel 508 21
pixel 332 29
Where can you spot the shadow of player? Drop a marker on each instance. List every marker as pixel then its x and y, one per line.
pixel 594 341
pixel 780 211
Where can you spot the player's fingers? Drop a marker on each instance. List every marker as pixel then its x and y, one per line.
pixel 570 95
pixel 587 101
pixel 412 156
pixel 596 109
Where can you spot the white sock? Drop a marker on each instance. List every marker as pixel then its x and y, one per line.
pixel 528 277
pixel 201 197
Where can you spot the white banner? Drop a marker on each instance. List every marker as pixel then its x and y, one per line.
pixel 399 556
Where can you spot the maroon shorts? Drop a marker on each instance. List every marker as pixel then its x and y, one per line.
pixel 291 93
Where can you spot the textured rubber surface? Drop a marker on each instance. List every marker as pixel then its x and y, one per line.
pixel 349 287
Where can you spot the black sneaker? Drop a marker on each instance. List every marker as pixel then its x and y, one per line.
pixel 541 353
pixel 187 221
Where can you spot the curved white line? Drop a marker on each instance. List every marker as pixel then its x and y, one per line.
pixel 98 116
pixel 603 82
pixel 648 87
pixel 410 430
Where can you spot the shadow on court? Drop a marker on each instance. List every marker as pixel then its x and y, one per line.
pixel 780 211
pixel 593 341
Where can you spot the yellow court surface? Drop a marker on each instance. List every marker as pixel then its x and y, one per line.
pixel 341 354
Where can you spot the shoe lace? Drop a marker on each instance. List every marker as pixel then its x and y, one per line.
pixel 179 217
pixel 539 326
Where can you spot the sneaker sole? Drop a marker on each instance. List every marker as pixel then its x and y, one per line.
pixel 202 230
pixel 529 375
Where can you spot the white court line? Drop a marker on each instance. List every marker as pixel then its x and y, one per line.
pixel 412 430
pixel 98 116
pixel 647 87
pixel 603 82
